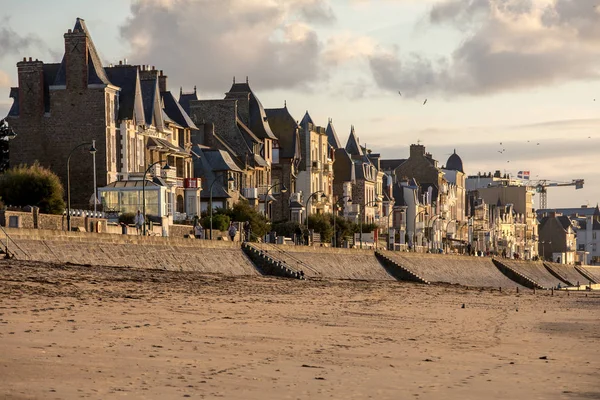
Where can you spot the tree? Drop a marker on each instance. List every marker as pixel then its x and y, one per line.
pixel 6 133
pixel 323 225
pixel 242 211
pixel 32 186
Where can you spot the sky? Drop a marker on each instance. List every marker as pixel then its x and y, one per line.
pixel 511 85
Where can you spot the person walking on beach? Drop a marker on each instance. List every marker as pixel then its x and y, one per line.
pixel 138 221
pixel 232 231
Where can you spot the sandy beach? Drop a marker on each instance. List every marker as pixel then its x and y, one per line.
pixel 69 332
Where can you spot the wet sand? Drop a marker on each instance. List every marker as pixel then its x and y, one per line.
pixel 69 332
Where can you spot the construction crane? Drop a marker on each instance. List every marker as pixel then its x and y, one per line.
pixel 541 187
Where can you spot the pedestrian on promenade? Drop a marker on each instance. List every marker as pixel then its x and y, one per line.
pixel 198 231
pixel 139 221
pixel 247 230
pixel 232 231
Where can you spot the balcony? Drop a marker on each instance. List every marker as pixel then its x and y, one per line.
pixel 250 193
pixel 316 165
pixel 170 173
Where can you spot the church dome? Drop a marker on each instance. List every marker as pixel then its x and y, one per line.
pixel 455 163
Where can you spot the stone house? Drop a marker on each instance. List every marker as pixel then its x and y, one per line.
pixel 57 107
pixel 457 197
pixel 315 170
pixel 557 239
pixel 238 125
pixel 286 161
pixel 60 106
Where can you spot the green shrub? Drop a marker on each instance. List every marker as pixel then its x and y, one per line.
pixel 32 186
pixel 322 224
pixel 287 229
pixel 242 212
pixel 220 222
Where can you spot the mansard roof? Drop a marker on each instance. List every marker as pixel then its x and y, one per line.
pixel 127 78
pixel 149 92
pixel 186 98
pixel 306 119
pixel 352 146
pixel 174 110
pixel 257 116
pixel 332 137
pixel 285 128
pixel 96 73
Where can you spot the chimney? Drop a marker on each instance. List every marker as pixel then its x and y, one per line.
pixel 162 81
pixel 76 56
pixel 31 88
pixel 417 150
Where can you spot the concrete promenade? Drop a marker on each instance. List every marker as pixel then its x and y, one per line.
pixel 227 258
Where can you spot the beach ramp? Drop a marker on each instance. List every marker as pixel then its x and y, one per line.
pixel 460 270
pixel 534 271
pixel 329 263
pixel 567 273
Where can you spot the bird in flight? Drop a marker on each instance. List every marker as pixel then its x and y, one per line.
pixel 400 93
pixel 425 102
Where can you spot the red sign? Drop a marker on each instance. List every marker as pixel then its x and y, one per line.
pixel 191 183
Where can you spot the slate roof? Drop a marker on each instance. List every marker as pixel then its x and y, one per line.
pixel 174 110
pixel 149 89
pixel 14 109
pixel 455 163
pixel 398 193
pixel 165 145
pixel 186 98
pixel 257 118
pixel 306 119
pixel 125 77
pixel 96 73
pixel 284 126
pixel 352 146
pixel 220 160
pixel 595 224
pixel 332 137
pixel 581 211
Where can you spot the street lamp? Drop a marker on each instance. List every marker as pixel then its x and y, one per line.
pixel 282 190
pixel 165 168
pixel 433 219
pixel 229 180
pixel 335 209
pixel 374 202
pixel 446 230
pixel 92 151
pixel 415 227
pixel 323 197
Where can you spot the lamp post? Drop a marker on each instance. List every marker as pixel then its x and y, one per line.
pixel 282 190
pixel 415 227
pixel 93 152
pixel 165 168
pixel 433 219
pixel 374 202
pixel 446 230
pixel 210 204
pixel 335 209
pixel 323 196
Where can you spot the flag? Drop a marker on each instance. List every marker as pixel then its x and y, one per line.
pixel 523 175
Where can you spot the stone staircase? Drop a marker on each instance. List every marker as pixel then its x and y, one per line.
pixel 398 271
pixel 516 276
pixel 267 265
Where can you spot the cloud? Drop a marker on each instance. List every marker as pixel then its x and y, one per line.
pixel 207 42
pixel 507 45
pixel 5 80
pixel 12 42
